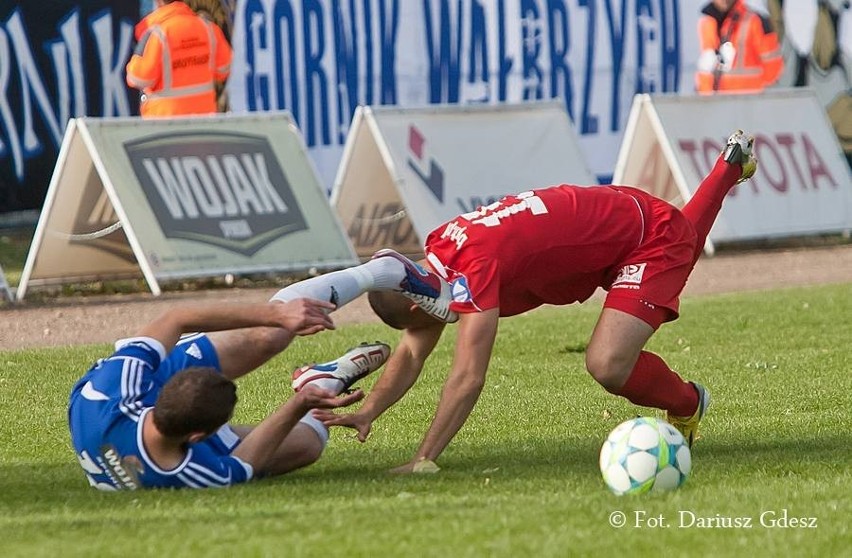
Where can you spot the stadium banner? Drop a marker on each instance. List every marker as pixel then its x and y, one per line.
pixel 322 59
pixel 406 171
pixel 803 183
pixel 180 198
pixel 58 60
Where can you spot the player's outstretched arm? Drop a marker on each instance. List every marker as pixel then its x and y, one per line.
pixel 302 316
pixel 401 371
pixel 259 446
pixel 474 343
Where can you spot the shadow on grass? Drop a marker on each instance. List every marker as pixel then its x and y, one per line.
pixel 33 488
pixel 545 460
pixel 529 457
pixel 772 451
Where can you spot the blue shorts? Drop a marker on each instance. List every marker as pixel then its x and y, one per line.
pixel 190 352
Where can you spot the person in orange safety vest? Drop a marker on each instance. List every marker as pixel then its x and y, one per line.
pixel 739 49
pixel 177 62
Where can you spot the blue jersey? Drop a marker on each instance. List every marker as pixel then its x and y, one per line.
pixel 106 414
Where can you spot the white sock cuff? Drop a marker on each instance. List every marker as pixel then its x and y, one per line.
pixel 317 426
pixel 387 273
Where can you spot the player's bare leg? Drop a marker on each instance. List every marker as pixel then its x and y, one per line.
pixel 614 348
pixel 242 350
pixel 616 360
pixel 302 447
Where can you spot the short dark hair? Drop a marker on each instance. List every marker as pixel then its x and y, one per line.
pixel 392 307
pixel 194 400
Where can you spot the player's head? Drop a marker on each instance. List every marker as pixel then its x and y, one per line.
pixel 399 312
pixel 194 401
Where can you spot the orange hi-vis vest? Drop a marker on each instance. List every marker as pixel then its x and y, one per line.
pixel 179 58
pixel 757 62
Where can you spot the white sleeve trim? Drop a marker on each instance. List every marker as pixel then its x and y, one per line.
pixel 249 469
pixel 147 458
pixel 150 341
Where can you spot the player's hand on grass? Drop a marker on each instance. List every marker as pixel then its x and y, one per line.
pixel 312 397
pixel 304 316
pixel 420 465
pixel 361 424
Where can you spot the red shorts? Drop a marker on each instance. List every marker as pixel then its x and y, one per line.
pixel 651 278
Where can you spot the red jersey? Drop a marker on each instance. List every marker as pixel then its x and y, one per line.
pixel 549 246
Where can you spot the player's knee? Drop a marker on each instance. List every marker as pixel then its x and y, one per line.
pixel 307 449
pixel 309 455
pixel 608 369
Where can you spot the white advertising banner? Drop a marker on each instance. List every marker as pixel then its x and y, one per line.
pixel 177 198
pixel 802 185
pixel 439 162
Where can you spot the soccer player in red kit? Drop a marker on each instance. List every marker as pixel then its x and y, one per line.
pixel 556 246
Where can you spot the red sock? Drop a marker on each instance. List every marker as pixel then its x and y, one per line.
pixel 704 206
pixel 653 384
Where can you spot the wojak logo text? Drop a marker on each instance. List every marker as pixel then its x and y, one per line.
pixel 224 189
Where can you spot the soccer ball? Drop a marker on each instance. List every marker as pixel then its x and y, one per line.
pixel 644 454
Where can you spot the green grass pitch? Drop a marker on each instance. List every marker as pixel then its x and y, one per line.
pixel 520 479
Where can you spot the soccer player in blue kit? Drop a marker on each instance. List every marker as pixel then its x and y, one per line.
pixel 155 413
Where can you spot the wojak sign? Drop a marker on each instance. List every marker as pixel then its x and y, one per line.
pixel 224 189
pixel 177 198
pixel 96 224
